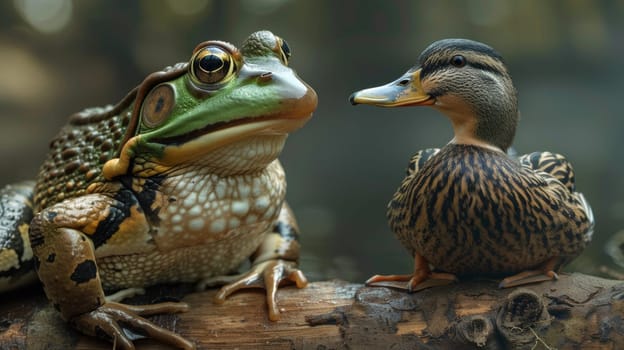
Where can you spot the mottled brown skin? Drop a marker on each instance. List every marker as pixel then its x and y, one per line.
pixel 469 208
pixel 129 196
pixel 91 138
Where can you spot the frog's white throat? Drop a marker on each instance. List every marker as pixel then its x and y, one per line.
pixel 249 155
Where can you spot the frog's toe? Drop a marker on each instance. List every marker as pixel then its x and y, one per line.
pixel 124 294
pixel 105 328
pixel 111 320
pixel 155 309
pixel 275 272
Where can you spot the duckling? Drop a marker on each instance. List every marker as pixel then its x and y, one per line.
pixel 468 208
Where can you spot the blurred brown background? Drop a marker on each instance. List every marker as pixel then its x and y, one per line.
pixel 60 56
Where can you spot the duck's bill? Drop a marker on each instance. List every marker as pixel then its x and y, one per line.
pixel 405 91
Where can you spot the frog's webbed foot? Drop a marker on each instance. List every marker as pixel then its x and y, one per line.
pixel 267 274
pixel 111 320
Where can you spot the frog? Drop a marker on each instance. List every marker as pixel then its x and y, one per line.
pixel 179 182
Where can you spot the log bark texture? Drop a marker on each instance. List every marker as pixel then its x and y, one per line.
pixel 575 312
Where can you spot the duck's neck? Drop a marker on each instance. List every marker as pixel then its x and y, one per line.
pixel 469 128
pixel 497 114
pixel 497 130
pixel 464 131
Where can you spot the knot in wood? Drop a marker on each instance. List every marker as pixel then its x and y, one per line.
pixel 523 308
pixel 521 317
pixel 474 330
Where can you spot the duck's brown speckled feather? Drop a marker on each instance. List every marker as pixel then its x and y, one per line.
pixel 469 210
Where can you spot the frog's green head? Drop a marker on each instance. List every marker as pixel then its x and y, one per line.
pixel 228 109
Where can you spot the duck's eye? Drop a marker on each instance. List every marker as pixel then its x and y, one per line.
pixel 458 61
pixel 284 50
pixel 212 65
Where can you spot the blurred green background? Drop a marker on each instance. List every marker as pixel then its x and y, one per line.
pixel 60 56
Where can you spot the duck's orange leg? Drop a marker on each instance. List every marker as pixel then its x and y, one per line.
pixel 545 273
pixel 422 277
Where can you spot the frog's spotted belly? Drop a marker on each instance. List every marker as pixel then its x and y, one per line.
pixel 187 264
pixel 210 208
pixel 208 228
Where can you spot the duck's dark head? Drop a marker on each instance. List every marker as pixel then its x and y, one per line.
pixel 464 79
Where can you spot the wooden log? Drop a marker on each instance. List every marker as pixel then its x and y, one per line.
pixel 575 312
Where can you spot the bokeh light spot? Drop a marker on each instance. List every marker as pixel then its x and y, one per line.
pixel 46 16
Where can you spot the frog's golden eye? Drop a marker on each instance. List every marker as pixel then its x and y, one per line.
pixel 284 50
pixel 157 105
pixel 212 65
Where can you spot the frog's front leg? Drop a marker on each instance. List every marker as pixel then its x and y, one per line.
pixel 274 262
pixel 61 239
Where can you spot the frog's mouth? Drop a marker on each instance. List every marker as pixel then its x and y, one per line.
pixel 195 145
pixel 294 114
pixel 270 124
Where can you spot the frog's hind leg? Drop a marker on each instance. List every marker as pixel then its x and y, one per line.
pixel 553 164
pixel 62 238
pixel 274 262
pixel 16 257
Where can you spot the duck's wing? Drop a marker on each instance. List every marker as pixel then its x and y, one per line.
pixel 569 213
pixel 553 164
pixel 558 167
pixel 590 215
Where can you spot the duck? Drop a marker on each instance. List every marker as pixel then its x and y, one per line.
pixel 470 208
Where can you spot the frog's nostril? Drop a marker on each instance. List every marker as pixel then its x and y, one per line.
pixel 265 77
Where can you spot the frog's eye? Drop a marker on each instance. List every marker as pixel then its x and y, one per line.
pixel 157 105
pixel 284 50
pixel 212 65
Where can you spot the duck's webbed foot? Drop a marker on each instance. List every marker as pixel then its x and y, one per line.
pixel 545 273
pixel 422 278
